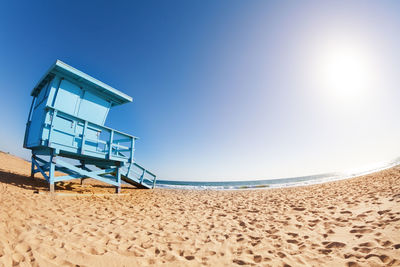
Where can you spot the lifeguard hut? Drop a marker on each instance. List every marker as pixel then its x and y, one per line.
pixel 66 132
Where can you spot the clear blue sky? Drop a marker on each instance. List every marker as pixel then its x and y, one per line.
pixel 223 90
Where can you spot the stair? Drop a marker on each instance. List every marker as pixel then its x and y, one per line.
pixel 138 176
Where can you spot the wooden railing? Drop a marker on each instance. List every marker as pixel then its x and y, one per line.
pixel 141 175
pixel 70 133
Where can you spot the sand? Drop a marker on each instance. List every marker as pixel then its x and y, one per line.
pixel 355 222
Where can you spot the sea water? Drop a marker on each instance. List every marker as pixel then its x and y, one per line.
pixel 275 183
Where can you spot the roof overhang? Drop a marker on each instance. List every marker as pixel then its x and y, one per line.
pixel 63 69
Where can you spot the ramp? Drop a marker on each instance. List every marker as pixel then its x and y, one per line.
pixel 138 176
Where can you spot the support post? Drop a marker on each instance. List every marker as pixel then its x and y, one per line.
pixel 118 174
pixel 51 172
pixel 84 138
pixel 32 168
pixel 132 149
pixel 83 167
pixel 154 182
pixel 142 176
pixel 110 144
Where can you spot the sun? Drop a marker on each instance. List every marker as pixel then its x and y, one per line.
pixel 344 71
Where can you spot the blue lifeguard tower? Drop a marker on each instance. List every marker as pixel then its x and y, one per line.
pixel 66 132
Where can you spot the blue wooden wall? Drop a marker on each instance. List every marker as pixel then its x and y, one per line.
pixel 69 111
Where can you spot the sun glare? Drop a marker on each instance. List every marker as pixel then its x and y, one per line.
pixel 344 71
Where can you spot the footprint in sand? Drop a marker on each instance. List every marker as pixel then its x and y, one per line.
pixel 325 251
pixel 211 253
pixel 239 262
pixel 257 258
pixel 346 212
pixel 189 258
pixel 249 251
pixel 386 243
pixel 367 244
pixel 333 244
pixel 383 258
pixel 361 231
pixel 281 254
pixel 352 264
pixel 294 235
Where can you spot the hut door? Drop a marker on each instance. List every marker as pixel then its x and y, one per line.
pixel 93 108
pixel 67 97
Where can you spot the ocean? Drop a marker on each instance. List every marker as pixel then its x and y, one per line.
pixel 275 183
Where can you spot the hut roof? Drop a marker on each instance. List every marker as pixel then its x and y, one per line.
pixel 62 68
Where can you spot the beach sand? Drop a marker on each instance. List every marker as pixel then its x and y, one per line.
pixel 354 222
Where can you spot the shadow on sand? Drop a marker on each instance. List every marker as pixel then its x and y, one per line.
pixel 40 184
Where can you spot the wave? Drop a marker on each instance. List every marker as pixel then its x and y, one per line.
pixel 276 183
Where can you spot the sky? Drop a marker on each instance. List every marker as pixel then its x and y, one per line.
pixel 223 90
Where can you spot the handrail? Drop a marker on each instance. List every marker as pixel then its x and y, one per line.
pixel 113 147
pixel 143 169
pixel 97 125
